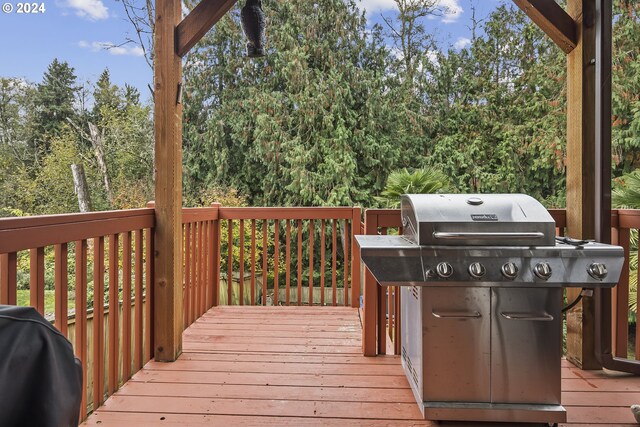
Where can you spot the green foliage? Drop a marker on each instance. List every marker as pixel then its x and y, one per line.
pixel 421 181
pixel 626 192
pixel 53 105
pixel 308 125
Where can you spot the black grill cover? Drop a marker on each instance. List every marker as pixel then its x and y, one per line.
pixel 40 379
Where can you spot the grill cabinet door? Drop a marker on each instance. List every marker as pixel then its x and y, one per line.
pixel 525 341
pixel 456 347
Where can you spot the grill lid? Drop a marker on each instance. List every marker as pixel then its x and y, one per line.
pixel 476 219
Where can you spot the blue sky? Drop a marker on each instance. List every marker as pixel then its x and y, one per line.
pixel 76 31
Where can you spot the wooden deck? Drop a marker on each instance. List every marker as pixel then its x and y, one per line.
pixel 272 366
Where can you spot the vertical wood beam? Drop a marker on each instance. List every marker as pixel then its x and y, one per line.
pixel 370 317
pixel 167 315
pixel 582 170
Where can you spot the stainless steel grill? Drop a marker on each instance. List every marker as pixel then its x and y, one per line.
pixel 482 279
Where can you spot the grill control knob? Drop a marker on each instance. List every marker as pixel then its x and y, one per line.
pixel 444 270
pixel 510 270
pixel 477 270
pixel 542 270
pixel 598 271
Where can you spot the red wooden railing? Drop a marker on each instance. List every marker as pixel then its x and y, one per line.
pixel 278 254
pixel 382 305
pixel 107 242
pixel 201 268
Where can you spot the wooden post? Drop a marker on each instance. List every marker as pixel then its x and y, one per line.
pixel 581 170
pixel 356 263
pixel 168 186
pixel 370 309
pixel 215 258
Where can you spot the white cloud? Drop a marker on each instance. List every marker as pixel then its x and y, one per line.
pixel 90 9
pixel 451 9
pixel 461 43
pixel 112 48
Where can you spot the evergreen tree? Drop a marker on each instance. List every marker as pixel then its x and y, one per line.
pixel 53 106
pixel 311 124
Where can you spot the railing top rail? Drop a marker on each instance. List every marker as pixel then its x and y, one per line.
pixel 190 215
pixel 72 218
pixel 284 213
pixel 17 234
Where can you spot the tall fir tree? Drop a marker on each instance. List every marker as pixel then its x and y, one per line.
pixel 53 103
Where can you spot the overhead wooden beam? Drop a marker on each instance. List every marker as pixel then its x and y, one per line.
pixel 200 20
pixel 553 20
pixel 167 288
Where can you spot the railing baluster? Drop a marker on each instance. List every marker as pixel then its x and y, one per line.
pixel 230 263
pixel 187 274
pixel 98 321
pixel 200 273
pixel 193 283
pixel 334 251
pixel 310 262
pixel 203 268
pixel 299 262
pixel 113 313
pixel 36 279
pixel 138 334
pixel 356 225
pixel 622 298
pixel 81 317
pixel 276 260
pixel 322 260
pixel 149 310
pixel 345 280
pixel 61 286
pixel 396 321
pixel 8 278
pixel 253 262
pixel 206 267
pixel 126 306
pixel 195 273
pixel 217 243
pixel 287 261
pixel 241 262
pixel 264 262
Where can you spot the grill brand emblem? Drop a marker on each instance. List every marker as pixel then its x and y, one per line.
pixel 484 217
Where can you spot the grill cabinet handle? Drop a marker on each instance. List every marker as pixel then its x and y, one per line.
pixel 456 315
pixel 453 235
pixel 545 317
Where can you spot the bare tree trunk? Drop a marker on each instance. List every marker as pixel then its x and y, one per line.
pixel 98 149
pixel 81 188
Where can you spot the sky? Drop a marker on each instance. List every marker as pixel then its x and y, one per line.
pixel 77 31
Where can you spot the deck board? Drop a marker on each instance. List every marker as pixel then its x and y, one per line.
pixel 302 366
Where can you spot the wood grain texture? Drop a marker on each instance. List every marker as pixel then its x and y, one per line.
pixel 8 278
pixel 80 347
pixel 581 176
pixel 553 20
pixel 200 20
pixel 36 279
pixel 260 384
pixel 168 304
pixel 61 280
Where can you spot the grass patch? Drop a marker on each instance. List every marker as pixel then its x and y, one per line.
pixel 23 297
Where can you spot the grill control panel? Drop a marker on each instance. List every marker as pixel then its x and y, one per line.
pixel 516 271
